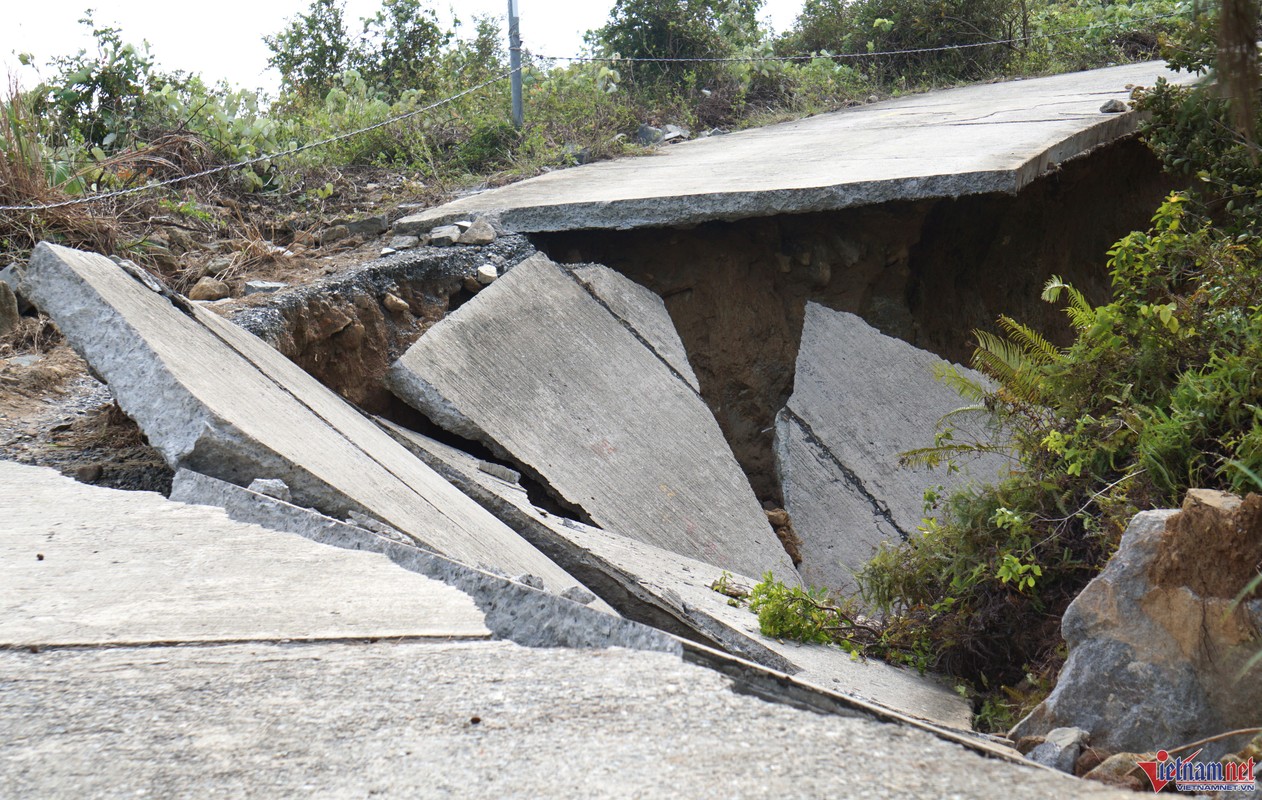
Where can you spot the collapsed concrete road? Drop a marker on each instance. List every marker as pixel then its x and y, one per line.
pixel 679 595
pixel 148 646
pixel 995 137
pixel 540 368
pixel 861 398
pixel 213 398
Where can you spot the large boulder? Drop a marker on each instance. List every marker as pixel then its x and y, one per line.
pixel 1157 644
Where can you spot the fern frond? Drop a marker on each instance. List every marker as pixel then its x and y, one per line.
pixel 1007 363
pixel 968 388
pixel 934 456
pixel 1080 311
pixel 1037 349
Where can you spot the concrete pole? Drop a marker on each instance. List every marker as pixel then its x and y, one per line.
pixel 514 61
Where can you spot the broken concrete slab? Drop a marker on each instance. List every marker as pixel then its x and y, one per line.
pixel 996 137
pixel 674 593
pixel 213 398
pixel 536 369
pixel 84 565
pixel 273 513
pixel 641 311
pixel 861 398
pixel 418 719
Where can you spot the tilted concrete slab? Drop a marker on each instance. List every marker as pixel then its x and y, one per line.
pixel 642 311
pixel 213 398
pixel 83 565
pixel 994 137
pixel 465 719
pixel 536 369
pixel 860 398
pixel 674 593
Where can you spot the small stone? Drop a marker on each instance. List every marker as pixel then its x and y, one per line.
pixel 479 233
pixel 533 581
pixel 1114 106
pixel 26 361
pixel 471 284
pixel 647 134
pixel 388 251
pixel 334 233
pixel 1060 749
pixel 271 487
pixel 873 98
pixel 672 132
pixel 1027 743
pixel 209 289
pixel 395 304
pixel 487 274
pixel 264 287
pixel 445 236
pixel 579 595
pixel 8 309
pixel 404 242
pixel 463 224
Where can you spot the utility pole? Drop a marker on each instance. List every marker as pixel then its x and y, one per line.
pixel 514 60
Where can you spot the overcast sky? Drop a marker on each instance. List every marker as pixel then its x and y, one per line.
pixel 223 39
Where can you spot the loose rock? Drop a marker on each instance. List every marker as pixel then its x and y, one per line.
pixel 1060 749
pixel 404 242
pixel 647 134
pixel 264 287
pixel 209 289
pixel 445 235
pixel 1114 106
pixel 395 304
pixel 272 487
pixel 480 233
pixel 487 274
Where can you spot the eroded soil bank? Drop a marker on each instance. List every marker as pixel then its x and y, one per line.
pixel 926 272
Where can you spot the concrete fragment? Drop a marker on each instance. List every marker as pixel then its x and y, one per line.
pixel 9 316
pixel 1157 644
pixel 1060 749
pixel 676 594
pixel 480 232
pixel 859 399
pixel 404 242
pixel 445 236
pixel 209 289
pixel 671 133
pixel 524 615
pixel 264 287
pixel 271 487
pixel 487 274
pixel 641 311
pixel 387 251
pixel 213 398
pixel 534 368
pixel 133 568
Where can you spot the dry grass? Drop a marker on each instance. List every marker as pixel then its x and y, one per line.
pixel 24 180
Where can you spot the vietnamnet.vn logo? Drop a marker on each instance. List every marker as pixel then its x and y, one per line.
pixel 1189 775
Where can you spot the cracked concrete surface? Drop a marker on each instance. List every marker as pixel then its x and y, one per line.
pixel 978 139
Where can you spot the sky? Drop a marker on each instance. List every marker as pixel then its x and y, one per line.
pixel 223 39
